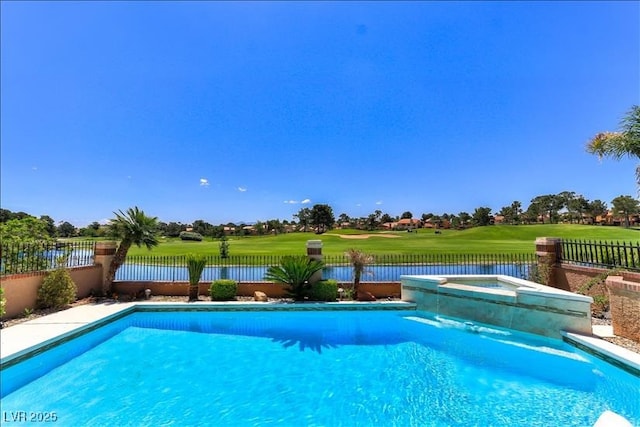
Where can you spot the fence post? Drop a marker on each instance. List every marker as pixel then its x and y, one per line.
pixel 549 252
pixel 104 253
pixel 314 251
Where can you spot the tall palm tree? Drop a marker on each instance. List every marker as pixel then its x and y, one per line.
pixel 295 272
pixel 626 142
pixel 359 260
pixel 132 228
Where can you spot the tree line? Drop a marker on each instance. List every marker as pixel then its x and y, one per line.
pixel 566 206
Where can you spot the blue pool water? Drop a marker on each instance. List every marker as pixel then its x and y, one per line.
pixel 314 368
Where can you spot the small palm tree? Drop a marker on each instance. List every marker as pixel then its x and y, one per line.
pixel 295 272
pixel 618 144
pixel 195 265
pixel 132 228
pixel 359 260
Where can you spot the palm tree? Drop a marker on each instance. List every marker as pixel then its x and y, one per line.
pixel 295 272
pixel 195 265
pixel 359 260
pixel 132 228
pixel 618 144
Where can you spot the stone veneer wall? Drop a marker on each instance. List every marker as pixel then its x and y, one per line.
pixel 625 307
pixel 571 277
pixel 623 289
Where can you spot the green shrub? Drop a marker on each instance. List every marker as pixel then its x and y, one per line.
pixel 600 304
pixel 223 290
pixel 57 289
pixel 295 272
pixel 191 235
pixel 324 290
pixel 540 273
pixel 2 302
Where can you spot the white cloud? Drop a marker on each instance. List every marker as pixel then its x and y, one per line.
pixel 358 204
pixel 242 189
pixel 204 182
pixel 379 202
pixel 34 168
pixel 295 202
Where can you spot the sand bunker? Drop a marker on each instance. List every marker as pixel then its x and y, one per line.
pixel 362 236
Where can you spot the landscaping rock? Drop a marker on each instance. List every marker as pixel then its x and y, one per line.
pixel 365 296
pixel 260 296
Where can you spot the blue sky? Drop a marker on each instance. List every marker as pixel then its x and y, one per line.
pixel 241 111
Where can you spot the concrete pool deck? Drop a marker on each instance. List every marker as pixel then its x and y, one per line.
pixel 25 337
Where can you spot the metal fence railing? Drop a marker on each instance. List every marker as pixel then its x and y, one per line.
pixel 16 258
pixel 625 255
pixel 385 268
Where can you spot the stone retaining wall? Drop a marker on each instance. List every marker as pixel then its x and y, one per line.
pixel 625 307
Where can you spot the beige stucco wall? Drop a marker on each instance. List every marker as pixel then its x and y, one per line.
pixel 21 290
pixel 131 288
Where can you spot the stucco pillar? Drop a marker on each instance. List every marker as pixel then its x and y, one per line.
pixel 549 251
pixel 103 255
pixel 624 300
pixel 314 251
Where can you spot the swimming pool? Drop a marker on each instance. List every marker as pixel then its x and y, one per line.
pixel 314 368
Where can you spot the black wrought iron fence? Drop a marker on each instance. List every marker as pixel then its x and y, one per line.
pixel 625 255
pixel 385 268
pixel 18 258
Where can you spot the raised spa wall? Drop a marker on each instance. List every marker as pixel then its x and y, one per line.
pixel 527 306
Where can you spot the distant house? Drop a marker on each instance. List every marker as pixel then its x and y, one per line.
pixel 610 219
pixel 289 228
pixel 408 223
pixel 587 218
pixel 441 223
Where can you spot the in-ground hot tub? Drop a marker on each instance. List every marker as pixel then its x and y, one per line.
pixel 503 301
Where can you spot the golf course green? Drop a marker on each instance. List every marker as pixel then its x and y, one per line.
pixel 496 239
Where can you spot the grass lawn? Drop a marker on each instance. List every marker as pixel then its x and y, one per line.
pixel 499 239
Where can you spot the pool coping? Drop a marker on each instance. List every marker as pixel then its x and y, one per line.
pixel 34 336
pixel 613 354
